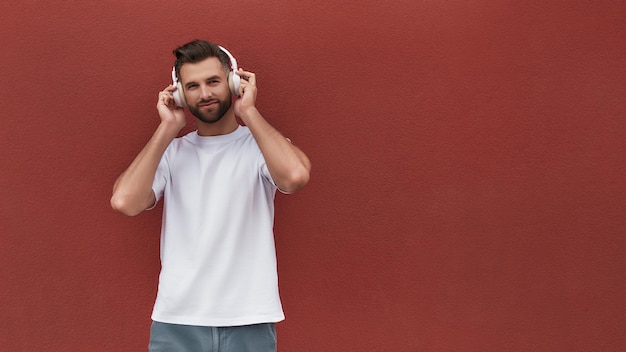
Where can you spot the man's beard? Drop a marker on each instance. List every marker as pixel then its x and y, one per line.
pixel 211 117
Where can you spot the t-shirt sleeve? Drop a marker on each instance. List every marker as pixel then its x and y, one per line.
pixel 160 180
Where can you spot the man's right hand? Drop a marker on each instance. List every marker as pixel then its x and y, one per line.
pixel 168 111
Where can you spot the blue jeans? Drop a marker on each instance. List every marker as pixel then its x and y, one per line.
pixel 187 338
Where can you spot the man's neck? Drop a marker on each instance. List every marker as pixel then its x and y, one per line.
pixel 225 125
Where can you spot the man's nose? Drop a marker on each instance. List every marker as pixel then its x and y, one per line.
pixel 206 92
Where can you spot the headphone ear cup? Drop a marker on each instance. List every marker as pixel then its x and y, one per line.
pixel 179 95
pixel 233 82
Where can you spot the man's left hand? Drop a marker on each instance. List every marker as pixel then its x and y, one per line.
pixel 247 94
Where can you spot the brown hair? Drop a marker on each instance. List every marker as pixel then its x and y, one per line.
pixel 199 50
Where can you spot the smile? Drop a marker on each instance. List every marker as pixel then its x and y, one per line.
pixel 208 104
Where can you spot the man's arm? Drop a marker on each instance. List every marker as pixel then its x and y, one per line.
pixel 132 192
pixel 289 166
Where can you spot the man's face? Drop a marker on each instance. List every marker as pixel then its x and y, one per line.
pixel 206 89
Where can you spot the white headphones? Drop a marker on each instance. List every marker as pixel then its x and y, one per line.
pixel 233 81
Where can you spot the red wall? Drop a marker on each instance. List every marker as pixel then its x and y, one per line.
pixel 468 187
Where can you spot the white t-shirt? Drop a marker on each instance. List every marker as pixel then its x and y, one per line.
pixel 218 260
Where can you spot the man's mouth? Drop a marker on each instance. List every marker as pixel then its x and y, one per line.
pixel 208 103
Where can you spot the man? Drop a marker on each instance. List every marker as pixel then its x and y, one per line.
pixel 218 286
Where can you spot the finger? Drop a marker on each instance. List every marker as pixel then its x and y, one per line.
pixel 165 97
pixel 244 86
pixel 248 76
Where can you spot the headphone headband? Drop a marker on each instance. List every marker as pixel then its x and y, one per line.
pixel 233 61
